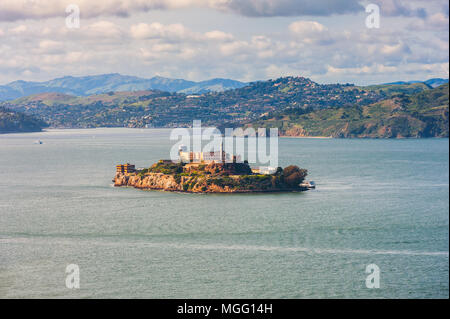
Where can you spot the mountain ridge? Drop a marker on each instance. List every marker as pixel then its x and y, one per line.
pixel 115 82
pixel 103 83
pixel 433 83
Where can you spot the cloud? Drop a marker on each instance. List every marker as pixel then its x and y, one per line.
pixel 158 30
pixel 19 29
pixel 218 35
pixel 436 22
pixel 50 46
pixel 312 32
pixel 104 29
pixel 13 10
pixel 397 49
pixel 270 8
pixel 307 27
pixel 404 8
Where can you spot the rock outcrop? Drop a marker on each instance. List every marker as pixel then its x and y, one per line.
pixel 201 184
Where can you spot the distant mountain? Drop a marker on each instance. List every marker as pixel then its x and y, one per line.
pixel 436 82
pixel 15 122
pixel 433 83
pixel 214 85
pixel 97 84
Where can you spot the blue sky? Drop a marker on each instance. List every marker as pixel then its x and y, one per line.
pixel 247 40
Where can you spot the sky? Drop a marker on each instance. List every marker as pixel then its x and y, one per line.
pixel 328 41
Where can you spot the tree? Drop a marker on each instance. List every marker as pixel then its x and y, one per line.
pixel 293 175
pixel 279 171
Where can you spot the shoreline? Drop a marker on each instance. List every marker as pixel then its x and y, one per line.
pixel 273 191
pixel 313 137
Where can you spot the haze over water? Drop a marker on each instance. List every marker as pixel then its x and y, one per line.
pixel 377 201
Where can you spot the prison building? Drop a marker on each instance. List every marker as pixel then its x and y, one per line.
pixel 126 168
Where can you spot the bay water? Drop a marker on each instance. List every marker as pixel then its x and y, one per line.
pixel 382 202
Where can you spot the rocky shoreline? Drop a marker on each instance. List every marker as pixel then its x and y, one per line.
pixel 164 182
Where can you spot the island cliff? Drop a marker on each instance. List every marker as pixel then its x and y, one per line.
pixel 211 178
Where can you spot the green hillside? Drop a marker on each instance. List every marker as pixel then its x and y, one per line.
pixel 423 114
pixel 12 122
pixel 392 89
pixel 164 109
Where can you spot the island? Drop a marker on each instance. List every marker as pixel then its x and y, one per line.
pixel 212 177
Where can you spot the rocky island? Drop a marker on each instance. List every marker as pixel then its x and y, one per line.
pixel 211 178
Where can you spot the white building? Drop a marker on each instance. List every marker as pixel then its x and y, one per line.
pixel 206 157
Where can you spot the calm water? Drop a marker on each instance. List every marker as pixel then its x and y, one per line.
pixel 378 201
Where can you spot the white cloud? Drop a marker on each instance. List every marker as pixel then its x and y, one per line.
pixel 19 29
pixel 401 8
pixel 103 29
pixel 306 28
pixel 157 30
pixel 399 48
pixel 50 45
pixel 312 32
pixel 13 10
pixel 218 35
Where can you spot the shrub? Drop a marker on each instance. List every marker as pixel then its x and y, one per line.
pixel 293 175
pixel 167 168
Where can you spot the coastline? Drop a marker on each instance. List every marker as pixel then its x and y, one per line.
pixel 313 137
pixel 256 191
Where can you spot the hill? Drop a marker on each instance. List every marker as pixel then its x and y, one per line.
pixel 164 109
pixel 423 114
pixel 433 83
pixel 88 85
pixel 395 88
pixel 14 122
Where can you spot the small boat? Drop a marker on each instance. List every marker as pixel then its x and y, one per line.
pixel 39 142
pixel 309 185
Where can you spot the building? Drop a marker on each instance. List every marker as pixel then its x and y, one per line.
pixel 126 168
pixel 206 157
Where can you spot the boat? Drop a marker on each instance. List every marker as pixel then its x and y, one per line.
pixel 309 185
